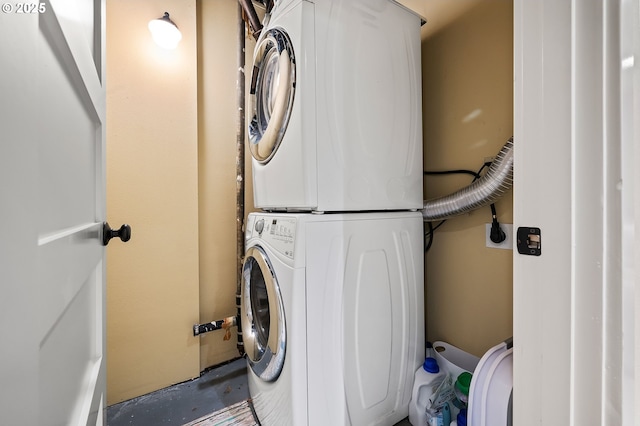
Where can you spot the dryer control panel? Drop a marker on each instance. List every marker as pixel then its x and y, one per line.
pixel 278 231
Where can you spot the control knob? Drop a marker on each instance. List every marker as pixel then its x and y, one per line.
pixel 259 226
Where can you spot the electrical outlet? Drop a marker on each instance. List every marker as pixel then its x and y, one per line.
pixel 507 244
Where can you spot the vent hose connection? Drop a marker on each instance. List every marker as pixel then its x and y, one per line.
pixel 484 191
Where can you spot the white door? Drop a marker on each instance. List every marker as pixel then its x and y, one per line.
pixel 52 124
pixel 576 305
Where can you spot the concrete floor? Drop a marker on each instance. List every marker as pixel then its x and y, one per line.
pixel 179 404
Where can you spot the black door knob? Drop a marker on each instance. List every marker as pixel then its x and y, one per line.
pixel 124 233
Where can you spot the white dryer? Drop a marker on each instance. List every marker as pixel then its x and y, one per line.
pixel 333 316
pixel 335 114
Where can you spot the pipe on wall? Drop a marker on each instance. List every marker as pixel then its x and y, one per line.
pixel 240 172
pixel 484 191
pixel 252 17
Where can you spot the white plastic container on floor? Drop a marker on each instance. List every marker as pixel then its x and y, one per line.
pixel 453 359
pixel 426 381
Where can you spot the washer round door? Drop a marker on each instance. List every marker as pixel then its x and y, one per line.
pixel 272 92
pixel 263 322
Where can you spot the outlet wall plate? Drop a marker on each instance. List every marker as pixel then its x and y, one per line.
pixel 507 244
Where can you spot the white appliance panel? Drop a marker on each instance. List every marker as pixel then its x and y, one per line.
pixel 354 301
pixel 367 286
pixel 289 179
pixel 354 137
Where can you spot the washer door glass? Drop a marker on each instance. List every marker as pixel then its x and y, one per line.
pixel 263 323
pixel 272 92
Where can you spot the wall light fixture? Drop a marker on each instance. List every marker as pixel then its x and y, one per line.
pixel 165 32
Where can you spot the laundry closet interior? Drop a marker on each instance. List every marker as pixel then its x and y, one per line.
pixel 181 109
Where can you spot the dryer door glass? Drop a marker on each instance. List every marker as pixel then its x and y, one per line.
pixel 259 299
pixel 272 93
pixel 263 323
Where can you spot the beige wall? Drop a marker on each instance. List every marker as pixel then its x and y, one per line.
pixel 468 116
pixel 152 184
pixel 171 136
pixel 218 118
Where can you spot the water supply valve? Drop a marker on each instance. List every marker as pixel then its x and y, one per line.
pixel 225 324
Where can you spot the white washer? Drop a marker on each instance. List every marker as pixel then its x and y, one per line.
pixel 333 316
pixel 335 114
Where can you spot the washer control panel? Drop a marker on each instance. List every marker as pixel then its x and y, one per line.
pixel 278 231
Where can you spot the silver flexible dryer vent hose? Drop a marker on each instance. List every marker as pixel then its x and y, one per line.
pixel 480 193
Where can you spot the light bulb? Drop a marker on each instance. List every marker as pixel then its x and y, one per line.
pixel 164 32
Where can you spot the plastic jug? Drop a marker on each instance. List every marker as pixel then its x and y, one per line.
pixel 427 379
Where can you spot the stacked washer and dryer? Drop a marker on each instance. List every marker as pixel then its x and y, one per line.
pixel 332 294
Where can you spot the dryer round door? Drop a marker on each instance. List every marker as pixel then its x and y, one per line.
pixel 272 92
pixel 263 322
